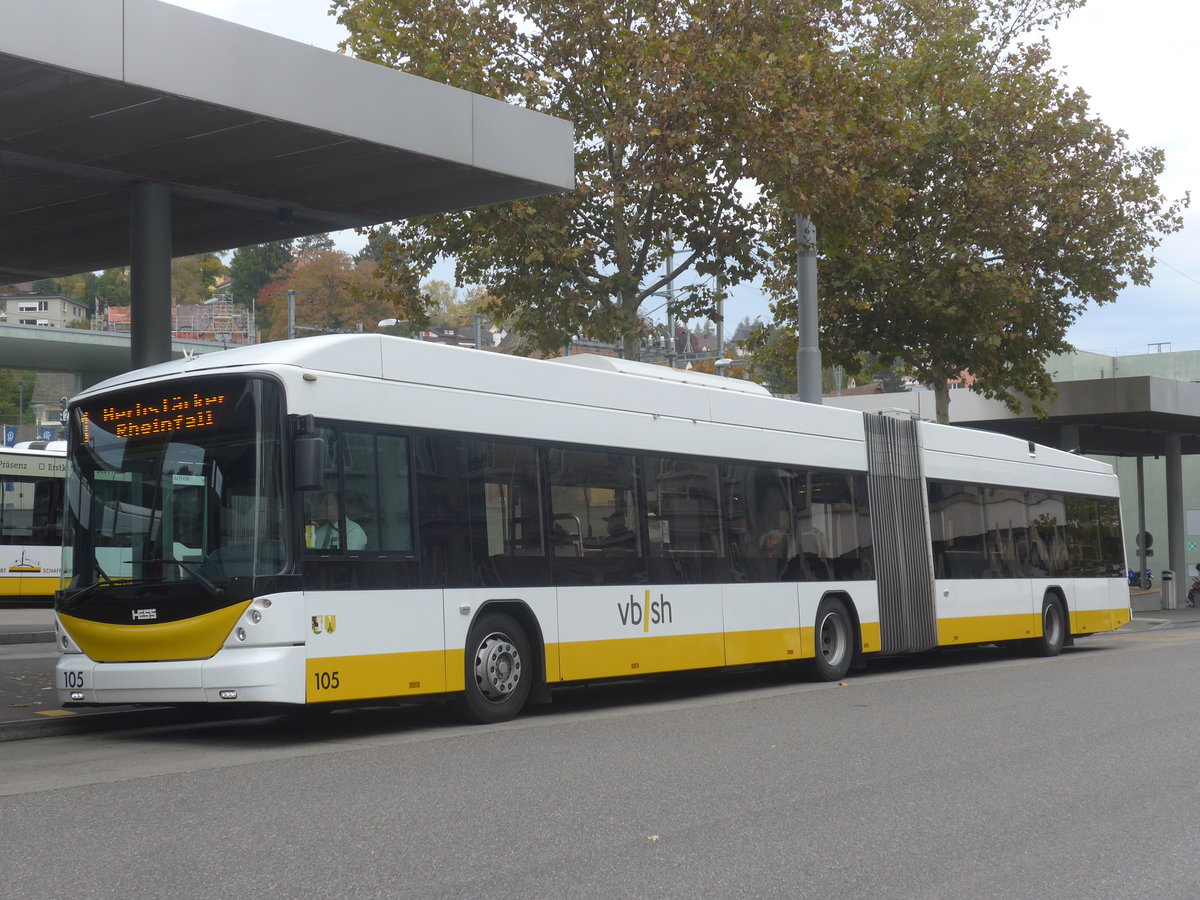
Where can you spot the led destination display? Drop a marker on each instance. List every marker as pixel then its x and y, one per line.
pixel 137 418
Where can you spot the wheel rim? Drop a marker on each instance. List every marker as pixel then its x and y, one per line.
pixel 1052 624
pixel 833 638
pixel 497 667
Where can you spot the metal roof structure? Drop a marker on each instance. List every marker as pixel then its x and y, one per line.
pixel 258 138
pixel 1126 416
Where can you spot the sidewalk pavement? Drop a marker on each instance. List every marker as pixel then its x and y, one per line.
pixel 29 707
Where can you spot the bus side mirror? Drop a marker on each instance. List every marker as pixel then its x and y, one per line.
pixel 308 454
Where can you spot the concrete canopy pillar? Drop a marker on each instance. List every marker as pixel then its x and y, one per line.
pixel 150 273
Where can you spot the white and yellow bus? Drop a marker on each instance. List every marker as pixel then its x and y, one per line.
pixel 31 492
pixel 351 518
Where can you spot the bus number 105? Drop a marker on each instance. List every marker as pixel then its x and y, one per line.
pixel 326 681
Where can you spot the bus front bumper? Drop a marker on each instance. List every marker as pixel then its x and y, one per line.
pixel 234 674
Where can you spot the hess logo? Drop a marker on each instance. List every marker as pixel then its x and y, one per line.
pixel 648 612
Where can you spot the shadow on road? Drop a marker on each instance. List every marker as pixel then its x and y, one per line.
pixel 265 728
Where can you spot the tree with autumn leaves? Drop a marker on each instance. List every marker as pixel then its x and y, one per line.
pixel 333 293
pixel 1014 207
pixel 968 204
pixel 663 96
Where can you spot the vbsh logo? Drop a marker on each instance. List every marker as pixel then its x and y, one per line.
pixel 648 612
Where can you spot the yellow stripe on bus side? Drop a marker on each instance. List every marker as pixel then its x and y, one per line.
pixel 872 639
pixel 332 678
pixel 455 673
pixel 985 629
pixel 39 585
pixel 431 672
pixel 199 637
pixel 747 647
pixel 637 656
pixel 1091 621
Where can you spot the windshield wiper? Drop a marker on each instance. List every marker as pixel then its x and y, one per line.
pixel 104 581
pixel 201 579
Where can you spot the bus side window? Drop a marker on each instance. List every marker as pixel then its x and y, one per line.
pixel 395 500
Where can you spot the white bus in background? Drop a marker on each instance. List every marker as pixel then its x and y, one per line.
pixel 356 518
pixel 31 491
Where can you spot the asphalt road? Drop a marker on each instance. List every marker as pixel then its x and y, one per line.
pixel 965 774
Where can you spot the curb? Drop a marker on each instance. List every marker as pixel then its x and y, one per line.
pixel 1154 624
pixel 25 729
pixel 27 637
pixel 109 720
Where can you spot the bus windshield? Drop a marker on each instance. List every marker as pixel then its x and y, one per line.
pixel 176 483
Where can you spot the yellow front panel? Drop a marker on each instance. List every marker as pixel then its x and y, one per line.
pixel 985 629
pixel 638 656
pixel 747 647
pixel 199 637
pixel 378 675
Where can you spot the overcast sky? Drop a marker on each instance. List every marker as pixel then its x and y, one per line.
pixel 1137 61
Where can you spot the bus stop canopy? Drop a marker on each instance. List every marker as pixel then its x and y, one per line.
pixel 257 138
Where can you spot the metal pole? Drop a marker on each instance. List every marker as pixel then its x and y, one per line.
pixel 1175 528
pixel 1141 512
pixel 291 295
pixel 808 351
pixel 478 339
pixel 720 323
pixel 671 304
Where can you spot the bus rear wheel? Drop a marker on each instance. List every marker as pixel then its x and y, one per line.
pixel 834 638
pixel 499 670
pixel 1054 628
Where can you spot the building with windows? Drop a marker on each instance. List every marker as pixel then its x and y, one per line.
pixel 46 310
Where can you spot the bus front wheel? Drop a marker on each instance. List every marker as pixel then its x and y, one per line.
pixel 499 670
pixel 834 638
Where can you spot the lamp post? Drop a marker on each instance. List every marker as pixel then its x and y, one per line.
pixel 808 350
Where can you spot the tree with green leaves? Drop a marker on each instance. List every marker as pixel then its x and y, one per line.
pixel 112 286
pixel 253 268
pixel 310 243
pixel 673 104
pixel 1013 206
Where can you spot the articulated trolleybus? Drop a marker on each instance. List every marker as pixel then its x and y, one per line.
pixel 31 492
pixel 352 518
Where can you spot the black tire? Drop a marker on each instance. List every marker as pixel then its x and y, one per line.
pixel 499 670
pixel 834 641
pixel 1054 628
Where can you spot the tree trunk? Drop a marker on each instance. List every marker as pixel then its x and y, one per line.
pixel 631 347
pixel 941 396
